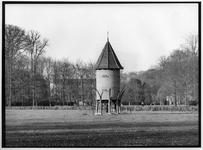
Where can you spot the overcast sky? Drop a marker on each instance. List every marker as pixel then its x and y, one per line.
pixel 139 33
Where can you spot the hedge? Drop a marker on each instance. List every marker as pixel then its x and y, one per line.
pixel 123 108
pixel 159 108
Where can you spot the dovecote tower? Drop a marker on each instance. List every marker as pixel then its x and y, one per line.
pixel 108 81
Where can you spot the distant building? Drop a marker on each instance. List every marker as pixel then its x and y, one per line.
pixel 77 91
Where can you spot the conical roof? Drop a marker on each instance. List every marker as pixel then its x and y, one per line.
pixel 108 59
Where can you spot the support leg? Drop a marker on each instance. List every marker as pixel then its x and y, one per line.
pixel 109 106
pixel 96 106
pixel 101 106
pixel 114 106
pixel 117 106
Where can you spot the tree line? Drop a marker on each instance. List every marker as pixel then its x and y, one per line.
pixel 32 79
pixel 174 80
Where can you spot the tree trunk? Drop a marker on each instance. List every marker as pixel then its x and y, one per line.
pixel 22 88
pixel 70 97
pixel 49 94
pixel 194 97
pixel 33 84
pixel 82 94
pixel 64 95
pixel 56 94
pixel 77 93
pixel 175 93
pixel 186 95
pixel 10 82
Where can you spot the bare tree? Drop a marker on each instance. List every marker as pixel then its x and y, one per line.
pixel 35 48
pixel 66 73
pixel 56 81
pixel 191 47
pixel 14 46
pixel 48 72
pixel 90 85
pixel 180 69
pixel 192 44
pixel 22 77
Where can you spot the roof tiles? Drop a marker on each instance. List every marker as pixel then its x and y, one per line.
pixel 108 59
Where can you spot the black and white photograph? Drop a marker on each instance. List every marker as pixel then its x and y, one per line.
pixel 101 74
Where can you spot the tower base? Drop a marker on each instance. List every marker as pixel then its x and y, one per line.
pixel 97 114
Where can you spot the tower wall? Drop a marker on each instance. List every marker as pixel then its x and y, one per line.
pixel 108 79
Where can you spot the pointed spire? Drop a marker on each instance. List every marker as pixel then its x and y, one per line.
pixel 108 58
pixel 107 36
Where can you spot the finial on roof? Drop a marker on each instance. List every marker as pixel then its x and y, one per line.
pixel 107 35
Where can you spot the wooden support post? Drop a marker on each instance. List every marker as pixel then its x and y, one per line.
pixel 97 110
pixel 117 106
pixel 114 106
pixel 96 106
pixel 109 106
pixel 101 107
pixel 109 102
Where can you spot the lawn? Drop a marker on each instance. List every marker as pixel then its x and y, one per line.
pixel 50 128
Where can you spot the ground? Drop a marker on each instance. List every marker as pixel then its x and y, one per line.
pixel 50 128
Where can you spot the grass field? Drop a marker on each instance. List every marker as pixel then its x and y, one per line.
pixel 50 128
